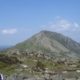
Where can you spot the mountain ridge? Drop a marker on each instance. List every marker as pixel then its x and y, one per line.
pixel 50 42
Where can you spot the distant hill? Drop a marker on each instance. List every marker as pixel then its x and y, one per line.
pixel 51 43
pixel 3 47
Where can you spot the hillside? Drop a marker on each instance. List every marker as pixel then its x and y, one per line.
pixel 51 43
pixel 8 63
pixel 44 51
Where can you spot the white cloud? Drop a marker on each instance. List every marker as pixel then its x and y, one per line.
pixel 62 25
pixel 9 31
pixel 76 25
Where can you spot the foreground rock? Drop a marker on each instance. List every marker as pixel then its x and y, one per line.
pixel 58 76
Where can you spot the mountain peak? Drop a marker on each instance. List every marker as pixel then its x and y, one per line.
pixel 46 31
pixel 50 42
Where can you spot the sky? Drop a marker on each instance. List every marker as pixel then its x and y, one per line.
pixel 20 19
